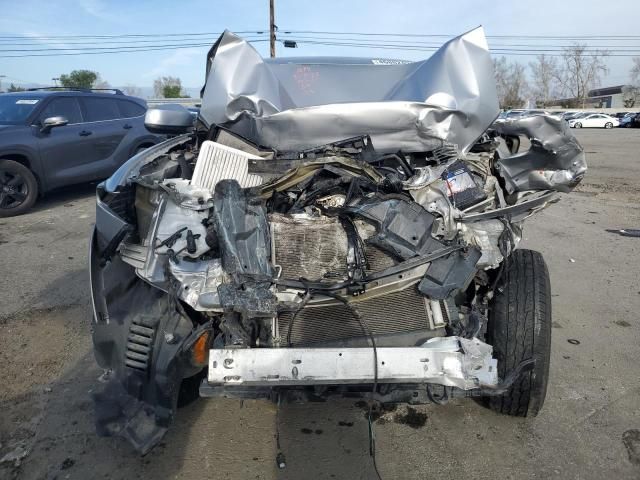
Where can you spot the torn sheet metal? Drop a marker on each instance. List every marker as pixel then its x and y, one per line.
pixel 555 160
pixel 485 235
pixel 451 361
pixel 298 103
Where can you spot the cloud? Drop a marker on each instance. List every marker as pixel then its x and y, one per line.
pixel 37 38
pixel 99 9
pixel 179 58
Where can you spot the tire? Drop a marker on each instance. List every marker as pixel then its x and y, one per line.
pixel 140 149
pixel 519 328
pixel 18 188
pixel 577 125
pixel 608 125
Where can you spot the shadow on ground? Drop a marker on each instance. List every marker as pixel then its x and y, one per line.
pixel 65 196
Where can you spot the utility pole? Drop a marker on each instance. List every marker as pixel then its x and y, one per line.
pixel 272 29
pixel 1 77
pixel 55 80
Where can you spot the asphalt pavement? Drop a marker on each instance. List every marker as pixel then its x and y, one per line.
pixel 589 427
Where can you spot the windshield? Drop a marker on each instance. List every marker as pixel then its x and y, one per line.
pixel 14 109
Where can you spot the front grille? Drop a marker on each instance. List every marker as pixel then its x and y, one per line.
pixel 139 345
pixel 398 312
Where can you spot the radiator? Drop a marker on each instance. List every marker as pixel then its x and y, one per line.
pixel 315 249
pixel 398 312
pixel 218 162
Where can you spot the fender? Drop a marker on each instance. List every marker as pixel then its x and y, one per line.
pixel 144 140
pixel 33 158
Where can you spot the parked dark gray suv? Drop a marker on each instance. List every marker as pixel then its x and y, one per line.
pixel 53 138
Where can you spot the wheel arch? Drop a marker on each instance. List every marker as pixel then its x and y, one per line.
pixel 143 142
pixel 27 161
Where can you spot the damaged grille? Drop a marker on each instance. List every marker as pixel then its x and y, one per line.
pixel 398 312
pixel 139 344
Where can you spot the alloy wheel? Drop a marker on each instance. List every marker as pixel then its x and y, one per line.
pixel 13 189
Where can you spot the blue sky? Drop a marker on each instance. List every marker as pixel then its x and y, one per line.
pixel 101 17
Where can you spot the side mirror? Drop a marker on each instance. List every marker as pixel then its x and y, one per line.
pixel 168 119
pixel 51 122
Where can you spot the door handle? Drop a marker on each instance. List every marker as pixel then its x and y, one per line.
pixel 85 133
pixel 127 126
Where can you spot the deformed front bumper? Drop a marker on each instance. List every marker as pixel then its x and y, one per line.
pixel 450 361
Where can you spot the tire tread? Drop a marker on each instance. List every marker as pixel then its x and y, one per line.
pixel 520 328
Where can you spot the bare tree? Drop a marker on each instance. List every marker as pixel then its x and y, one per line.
pixel 582 69
pixel 132 90
pixel 635 71
pixel 167 87
pixel 631 93
pixel 630 96
pixel 511 82
pixel 100 83
pixel 545 74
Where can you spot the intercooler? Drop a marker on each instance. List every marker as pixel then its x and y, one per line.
pixel 316 249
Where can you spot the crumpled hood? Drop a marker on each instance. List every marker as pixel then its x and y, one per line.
pixel 293 104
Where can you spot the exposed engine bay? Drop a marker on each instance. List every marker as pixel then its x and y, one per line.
pixel 312 269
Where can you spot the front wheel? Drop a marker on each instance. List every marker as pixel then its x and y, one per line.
pixel 578 125
pixel 519 329
pixel 608 125
pixel 18 188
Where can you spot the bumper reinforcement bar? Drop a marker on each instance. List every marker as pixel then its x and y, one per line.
pixel 451 361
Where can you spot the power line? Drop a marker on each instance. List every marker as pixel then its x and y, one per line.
pixel 427 46
pixel 127 35
pixel 315 32
pixel 141 49
pixel 128 43
pixel 50 49
pixel 503 51
pixel 439 44
pixel 136 49
pixel 36 42
pixel 377 34
pixel 136 43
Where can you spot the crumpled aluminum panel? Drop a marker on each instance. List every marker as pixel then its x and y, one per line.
pixel 555 161
pixel 293 103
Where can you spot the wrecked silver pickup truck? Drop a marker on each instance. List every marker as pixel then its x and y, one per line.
pixel 330 226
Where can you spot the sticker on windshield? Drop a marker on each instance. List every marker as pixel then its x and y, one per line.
pixel 26 102
pixel 387 61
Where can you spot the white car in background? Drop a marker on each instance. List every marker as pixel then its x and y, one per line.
pixel 595 120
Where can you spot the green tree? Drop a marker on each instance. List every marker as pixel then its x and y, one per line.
pixel 171 91
pixel 167 87
pixel 15 88
pixel 79 79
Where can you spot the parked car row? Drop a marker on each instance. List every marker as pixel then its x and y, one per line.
pixel 51 138
pixel 578 119
pixel 630 120
pixel 594 120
